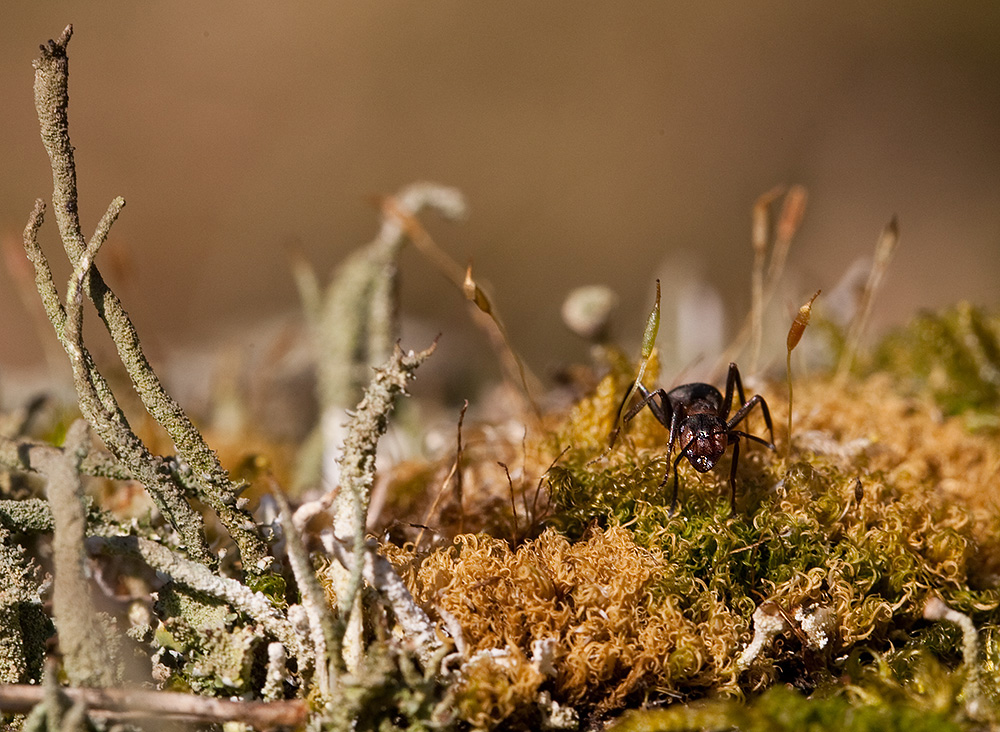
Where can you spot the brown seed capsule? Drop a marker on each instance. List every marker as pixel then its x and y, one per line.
pixel 800 323
pixel 474 294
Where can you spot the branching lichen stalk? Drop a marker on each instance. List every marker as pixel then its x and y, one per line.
pixel 110 423
pixel 211 481
pixel 54 306
pixel 417 627
pixel 326 649
pixel 354 321
pixel 197 577
pixel 86 657
pixel 357 464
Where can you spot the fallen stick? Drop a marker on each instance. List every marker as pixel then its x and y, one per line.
pixel 146 704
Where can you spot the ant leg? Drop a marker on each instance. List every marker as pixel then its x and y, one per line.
pixel 745 410
pixel 732 474
pixel 649 398
pixel 733 378
pixel 761 440
pixel 677 460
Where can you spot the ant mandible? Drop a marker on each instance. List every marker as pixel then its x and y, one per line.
pixel 698 416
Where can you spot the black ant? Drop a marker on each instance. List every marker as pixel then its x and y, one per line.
pixel 698 415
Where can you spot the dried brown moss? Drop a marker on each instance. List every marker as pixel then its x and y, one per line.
pixel 602 605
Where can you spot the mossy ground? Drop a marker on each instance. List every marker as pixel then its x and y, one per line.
pixel 576 599
pixel 882 501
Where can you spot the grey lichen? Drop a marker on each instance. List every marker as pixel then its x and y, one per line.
pixel 208 480
pixel 199 578
pixel 88 660
pixel 325 643
pixel 354 320
pixel 214 649
pixel 418 629
pixel 357 474
pixel 99 406
pixel 208 632
pixel 23 622
pixel 32 515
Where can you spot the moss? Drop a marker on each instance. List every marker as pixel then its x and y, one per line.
pixel 880 505
pixel 601 604
pixel 781 709
pixel 953 355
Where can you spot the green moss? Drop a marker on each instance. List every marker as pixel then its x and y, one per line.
pixel 955 356
pixel 271 585
pixel 782 709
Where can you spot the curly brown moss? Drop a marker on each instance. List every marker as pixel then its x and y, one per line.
pixel 908 445
pixel 602 602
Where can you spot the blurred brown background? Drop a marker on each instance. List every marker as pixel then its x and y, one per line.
pixel 595 142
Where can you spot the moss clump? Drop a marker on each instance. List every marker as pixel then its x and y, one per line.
pixel 782 709
pixel 879 505
pixel 954 356
pixel 592 620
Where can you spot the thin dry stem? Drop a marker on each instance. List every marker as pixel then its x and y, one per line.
pixel 496 332
pixel 761 232
pixel 884 250
pixel 789 220
pixel 454 472
pixel 794 336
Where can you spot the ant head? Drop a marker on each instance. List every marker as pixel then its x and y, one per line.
pixel 705 438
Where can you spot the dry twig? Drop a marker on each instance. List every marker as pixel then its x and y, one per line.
pixel 138 704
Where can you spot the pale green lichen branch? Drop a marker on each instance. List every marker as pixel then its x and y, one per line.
pixel 22 454
pixel 975 699
pixel 98 403
pixel 52 106
pixel 111 425
pixel 768 624
pixel 199 578
pixel 357 474
pixel 54 306
pixel 209 480
pixel 326 646
pixel 417 628
pixel 355 322
pixel 86 653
